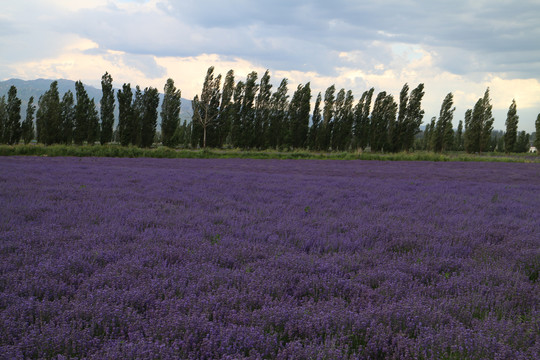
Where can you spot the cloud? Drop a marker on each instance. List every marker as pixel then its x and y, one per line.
pixel 306 36
pixel 459 46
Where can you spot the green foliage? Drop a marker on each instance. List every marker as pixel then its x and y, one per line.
pixel 343 121
pixel 522 143
pixel 214 239
pixel 479 125
pixel 82 106
pixel 107 106
pixel 136 118
pixel 361 126
pixel 247 112
pixel 226 111
pixel 149 116
pixel 398 136
pixel 487 121
pixel 443 134
pixel 67 117
pixel 428 134
pixel 512 119
pixel 206 109
pixel 262 112
pixel 458 141
pixel 3 117
pixel 48 117
pixel 124 96
pixel 170 113
pixel 12 127
pixel 383 115
pixel 537 129
pixel 27 127
pixel 86 121
pixel 328 115
pixel 299 110
pixel 248 115
pixel 93 123
pixel 111 150
pixel 236 126
pixel 313 135
pixel 413 118
pixel 278 113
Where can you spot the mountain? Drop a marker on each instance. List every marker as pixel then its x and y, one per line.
pixel 36 88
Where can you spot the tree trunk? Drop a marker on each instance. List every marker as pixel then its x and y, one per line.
pixel 204 137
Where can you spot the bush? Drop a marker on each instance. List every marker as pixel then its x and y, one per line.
pixel 114 150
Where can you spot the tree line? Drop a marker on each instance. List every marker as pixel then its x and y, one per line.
pixel 248 114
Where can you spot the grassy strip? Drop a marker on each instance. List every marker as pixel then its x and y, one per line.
pixel 164 152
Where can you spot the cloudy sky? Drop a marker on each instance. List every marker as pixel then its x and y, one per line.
pixel 454 46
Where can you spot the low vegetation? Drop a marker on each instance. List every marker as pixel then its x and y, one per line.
pixel 165 152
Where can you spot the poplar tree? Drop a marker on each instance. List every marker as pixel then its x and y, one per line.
pixel 92 131
pixel 67 115
pixel 468 134
pixel 413 117
pixel 125 97
pixel 236 126
pixel 344 118
pixel 510 137
pixel 262 111
pixel 183 134
pixel 315 124
pixel 428 134
pixel 443 134
pixel 82 114
pixel 12 130
pixel 384 111
pixel 348 116
pixel 107 106
pixel 278 114
pixel 48 119
pixel 170 113
pixel 338 121
pixel 28 123
pixel 149 116
pixel 486 121
pixel 247 113
pixel 399 134
pixel 537 128
pixel 522 143
pixel 390 112
pixel 474 132
pixel 299 110
pixel 362 119
pixel 458 142
pixel 480 125
pixel 3 117
pixel 206 108
pixel 328 114
pixel 137 113
pixel 379 128
pixel 226 110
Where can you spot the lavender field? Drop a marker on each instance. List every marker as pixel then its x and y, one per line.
pixel 104 258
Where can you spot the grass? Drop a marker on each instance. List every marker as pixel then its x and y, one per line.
pixel 165 152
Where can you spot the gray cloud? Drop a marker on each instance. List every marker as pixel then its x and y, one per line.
pixel 307 36
pixel 466 38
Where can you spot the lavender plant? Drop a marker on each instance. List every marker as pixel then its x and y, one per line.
pixel 250 259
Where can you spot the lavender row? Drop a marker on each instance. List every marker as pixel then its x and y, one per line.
pixel 204 259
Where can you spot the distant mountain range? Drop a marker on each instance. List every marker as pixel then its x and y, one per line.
pixel 36 88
